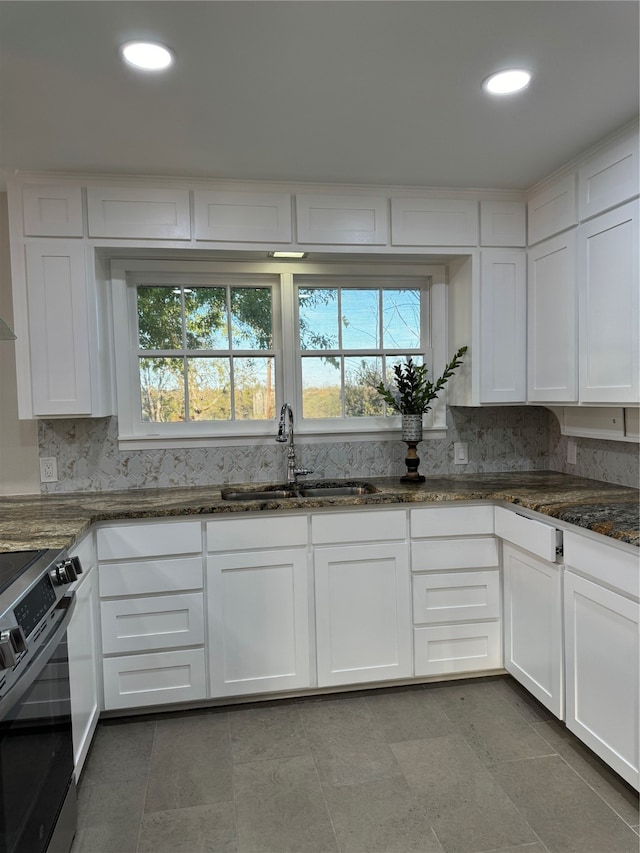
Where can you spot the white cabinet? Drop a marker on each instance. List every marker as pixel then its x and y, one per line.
pixel 609 292
pixel 52 210
pixel 553 209
pixel 434 222
pixel 258 605
pixel 539 538
pixel 138 212
pixel 82 642
pixel 342 219
pixel 533 651
pixel 503 326
pixel 609 177
pixel 552 321
pixel 152 613
pixel 362 596
pixel 503 223
pixel 246 217
pixel 456 590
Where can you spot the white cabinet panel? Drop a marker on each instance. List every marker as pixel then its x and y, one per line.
pixel 434 222
pixel 245 217
pixel 452 521
pixel 150 576
pixel 363 613
pixel 464 553
pixel 378 526
pixel 535 536
pixel 342 219
pixel 552 321
pixel 58 328
pixel 612 565
pixel 602 422
pixel 150 539
pixel 456 597
pixel 533 650
pixel 447 649
pixel 503 327
pixel 230 534
pixel 155 622
pixel 138 212
pixel 609 178
pixel 632 424
pixel 52 210
pixel 154 679
pixel 503 223
pixel 601 647
pixel 258 621
pixel 610 307
pixel 553 209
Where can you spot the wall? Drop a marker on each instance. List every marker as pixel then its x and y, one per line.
pixel 499 439
pixel 18 439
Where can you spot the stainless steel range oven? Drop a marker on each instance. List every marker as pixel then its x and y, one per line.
pixel 37 788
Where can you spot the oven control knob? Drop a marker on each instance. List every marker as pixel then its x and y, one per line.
pixel 64 572
pixel 12 642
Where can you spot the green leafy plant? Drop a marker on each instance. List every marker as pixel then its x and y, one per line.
pixel 414 392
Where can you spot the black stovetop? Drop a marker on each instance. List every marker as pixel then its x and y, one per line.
pixel 13 564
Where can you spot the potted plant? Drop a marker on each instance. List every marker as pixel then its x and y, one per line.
pixel 411 398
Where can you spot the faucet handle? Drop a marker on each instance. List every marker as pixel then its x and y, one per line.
pixel 301 472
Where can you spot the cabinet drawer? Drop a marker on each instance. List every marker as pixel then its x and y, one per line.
pixel 358 527
pixel 533 536
pixel 469 553
pixel 156 679
pixel 244 217
pixel 150 576
pixel 126 541
pixel 52 211
pixel 158 622
pixel 452 521
pixel 605 563
pixel 161 214
pixel 445 649
pixel 241 534
pixel 456 597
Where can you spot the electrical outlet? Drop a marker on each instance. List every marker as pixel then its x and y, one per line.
pixel 572 451
pixel 48 469
pixel 460 453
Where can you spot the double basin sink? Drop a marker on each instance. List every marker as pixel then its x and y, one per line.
pixel 316 489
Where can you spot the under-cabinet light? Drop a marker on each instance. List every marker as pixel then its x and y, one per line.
pixel 506 82
pixel 297 255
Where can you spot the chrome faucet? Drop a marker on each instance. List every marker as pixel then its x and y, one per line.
pixel 285 433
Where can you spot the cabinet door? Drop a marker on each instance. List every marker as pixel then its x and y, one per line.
pixel 161 214
pixel 434 222
pixel 503 327
pixel 601 646
pixel 503 223
pixel 242 216
pixel 609 307
pixel 552 321
pixel 363 613
pixel 533 626
pixel 258 621
pixel 342 220
pixel 553 209
pixel 52 211
pixel 58 328
pixel 610 177
pixel 83 667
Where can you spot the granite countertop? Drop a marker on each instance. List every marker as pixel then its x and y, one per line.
pixel 59 520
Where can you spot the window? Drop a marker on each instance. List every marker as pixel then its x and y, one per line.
pixel 207 352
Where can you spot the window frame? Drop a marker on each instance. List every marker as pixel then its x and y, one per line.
pixel 133 433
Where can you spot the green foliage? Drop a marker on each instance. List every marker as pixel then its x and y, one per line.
pixel 414 392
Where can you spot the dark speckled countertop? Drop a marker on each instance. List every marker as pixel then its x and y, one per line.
pixel 58 520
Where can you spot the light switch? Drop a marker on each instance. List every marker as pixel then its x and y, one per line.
pixel 460 453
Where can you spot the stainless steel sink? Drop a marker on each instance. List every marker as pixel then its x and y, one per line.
pixel 316 489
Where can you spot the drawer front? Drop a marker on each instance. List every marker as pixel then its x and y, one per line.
pixel 605 563
pixel 447 649
pixel 470 553
pixel 130 541
pixel 155 679
pixel 358 527
pixel 150 576
pixel 242 534
pixel 456 597
pixel 452 521
pixel 142 624
pixel 533 536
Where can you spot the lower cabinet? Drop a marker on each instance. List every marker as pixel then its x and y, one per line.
pixel 156 678
pixel 533 625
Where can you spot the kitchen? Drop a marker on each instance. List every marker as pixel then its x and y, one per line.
pixel 95 455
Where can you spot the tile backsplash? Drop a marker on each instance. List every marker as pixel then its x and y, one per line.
pixel 499 439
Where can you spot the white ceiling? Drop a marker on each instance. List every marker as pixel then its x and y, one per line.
pixel 383 92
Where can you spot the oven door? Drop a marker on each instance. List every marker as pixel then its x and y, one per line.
pixel 36 751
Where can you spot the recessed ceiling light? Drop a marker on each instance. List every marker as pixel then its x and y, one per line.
pixel 147 55
pixel 507 82
pixel 287 254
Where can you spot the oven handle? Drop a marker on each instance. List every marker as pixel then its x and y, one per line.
pixel 36 666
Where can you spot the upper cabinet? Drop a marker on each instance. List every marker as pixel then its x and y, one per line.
pixel 553 209
pixel 503 223
pixel 242 216
pixel 138 212
pixel 52 210
pixel 609 178
pixel 342 220
pixel 434 222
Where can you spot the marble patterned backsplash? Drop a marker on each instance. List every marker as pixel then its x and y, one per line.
pixel 498 439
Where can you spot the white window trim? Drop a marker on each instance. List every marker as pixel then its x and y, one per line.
pixel 257 433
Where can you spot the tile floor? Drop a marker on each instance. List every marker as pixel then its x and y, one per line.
pixel 460 767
